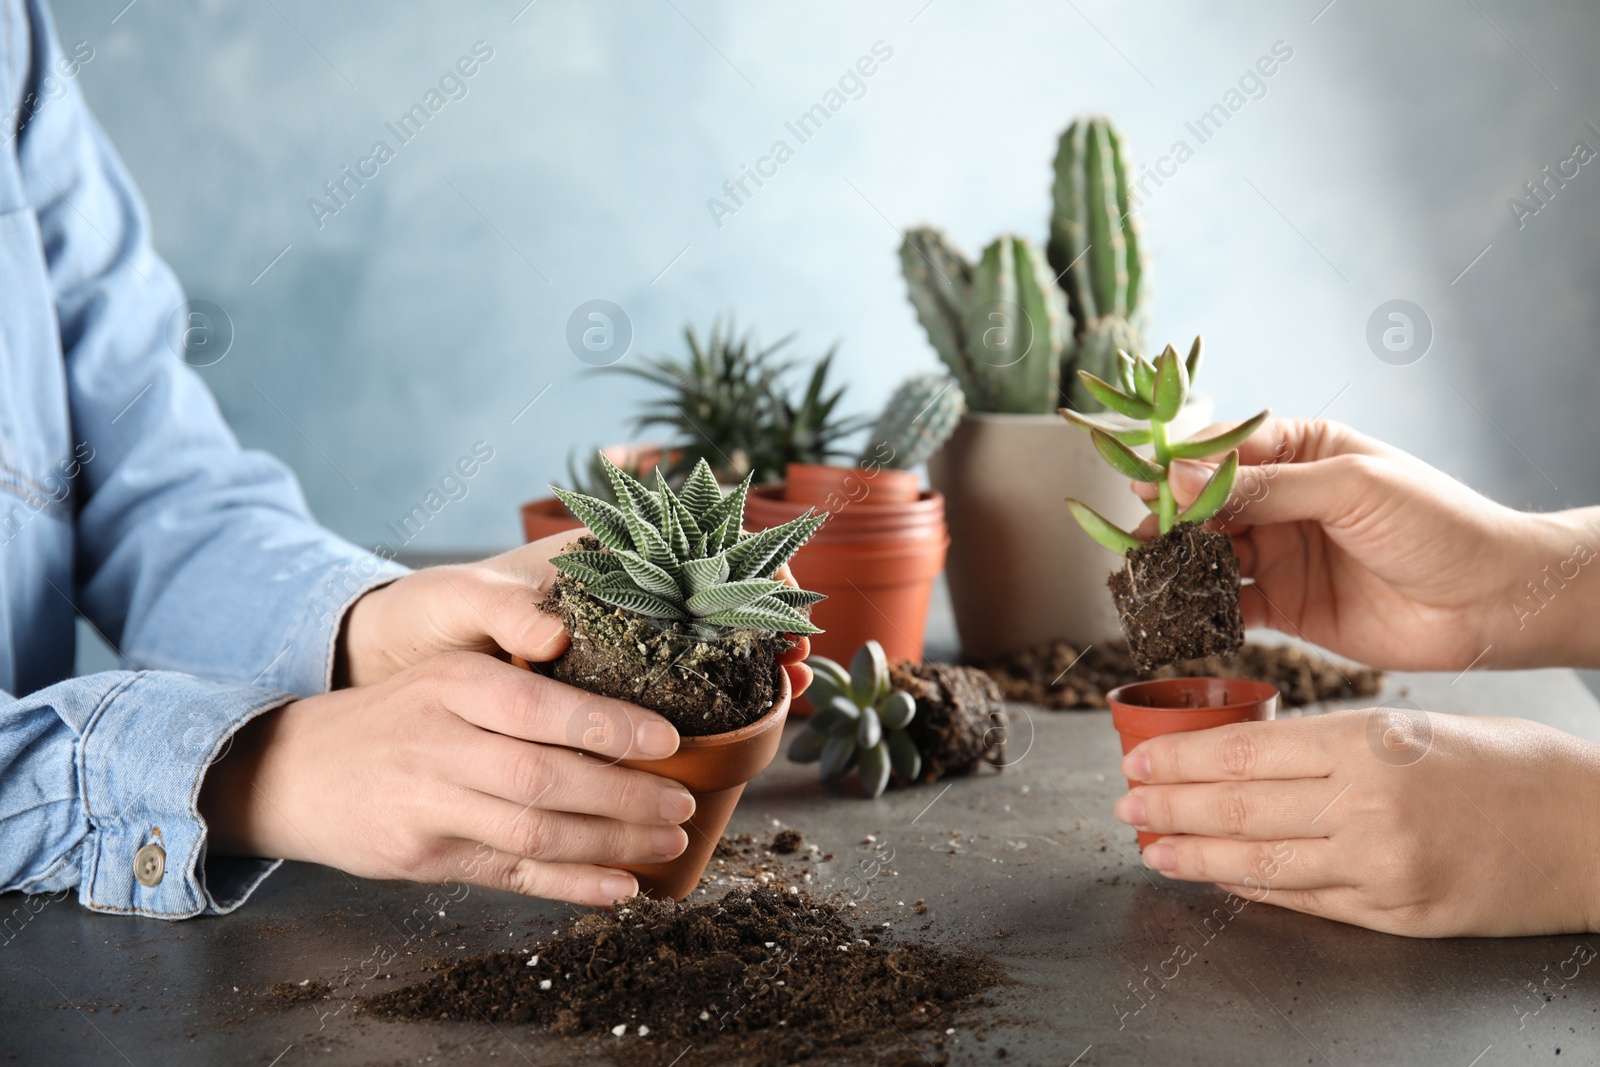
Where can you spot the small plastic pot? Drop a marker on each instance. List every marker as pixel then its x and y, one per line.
pixel 714 769
pixel 546 516
pixel 1142 710
pixel 811 483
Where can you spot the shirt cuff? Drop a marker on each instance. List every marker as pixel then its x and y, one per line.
pixel 142 759
pixel 306 665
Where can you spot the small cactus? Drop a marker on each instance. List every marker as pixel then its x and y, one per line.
pixel 999 325
pixel 861 722
pixel 919 419
pixel 1095 251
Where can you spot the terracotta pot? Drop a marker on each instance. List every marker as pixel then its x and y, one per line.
pixel 830 487
pixel 546 516
pixel 875 562
pixel 714 769
pixel 1021 570
pixel 1143 710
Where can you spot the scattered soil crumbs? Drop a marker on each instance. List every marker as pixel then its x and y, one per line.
pixel 1178 597
pixel 787 842
pixel 701 687
pixel 285 995
pixel 755 978
pixel 1042 675
pixel 744 858
pixel 960 720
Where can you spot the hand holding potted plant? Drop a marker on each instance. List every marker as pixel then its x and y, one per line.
pixel 672 606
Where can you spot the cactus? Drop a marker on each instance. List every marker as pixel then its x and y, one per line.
pixel 684 556
pixel 1095 251
pixel 920 417
pixel 862 722
pixel 999 325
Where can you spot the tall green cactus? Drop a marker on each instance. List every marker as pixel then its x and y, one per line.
pixel 1095 251
pixel 920 417
pixel 999 325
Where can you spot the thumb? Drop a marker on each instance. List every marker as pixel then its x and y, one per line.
pixel 1317 491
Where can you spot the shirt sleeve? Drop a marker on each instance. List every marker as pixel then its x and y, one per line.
pixel 194 555
pixel 92 797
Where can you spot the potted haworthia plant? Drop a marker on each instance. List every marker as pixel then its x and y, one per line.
pixel 884 545
pixel 1013 328
pixel 672 605
pixel 547 515
pixel 1177 594
pixel 907 723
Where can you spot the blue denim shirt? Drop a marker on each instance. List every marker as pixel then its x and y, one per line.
pixel 124 498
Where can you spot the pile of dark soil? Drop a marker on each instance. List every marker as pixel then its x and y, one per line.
pixel 1178 597
pixel 1056 676
pixel 755 978
pixel 702 687
pixel 960 720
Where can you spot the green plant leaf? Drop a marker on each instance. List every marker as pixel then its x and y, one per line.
pixel 604 520
pixel 760 554
pixel 632 494
pixel 764 614
pixel 838 715
pixel 1199 448
pixel 807 745
pixel 604 562
pixel 637 601
pixel 649 577
pixel 1101 529
pixel 897 709
pixel 903 755
pixel 729 509
pixel 1115 399
pixel 1172 385
pixel 837 755
pixel 822 666
pixel 1132 437
pixel 1192 364
pixel 701 574
pixel 1125 460
pixel 700 492
pixel 869 673
pixel 648 541
pixel 1215 494
pixel 1125 365
pixel 797 598
pixel 869 731
pixel 1144 379
pixel 872 763
pixel 730 595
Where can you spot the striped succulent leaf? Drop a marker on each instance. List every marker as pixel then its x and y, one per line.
pixel 684 555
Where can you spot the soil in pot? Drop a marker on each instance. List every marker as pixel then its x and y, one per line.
pixel 752 978
pixel 1178 597
pixel 702 687
pixel 960 720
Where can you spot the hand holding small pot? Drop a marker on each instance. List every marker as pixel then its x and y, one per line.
pixel 1401 821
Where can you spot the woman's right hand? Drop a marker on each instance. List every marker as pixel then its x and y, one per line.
pixel 1373 554
pixel 462 768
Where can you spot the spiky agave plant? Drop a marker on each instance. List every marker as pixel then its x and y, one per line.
pixel 684 558
pixel 1154 393
pixel 861 722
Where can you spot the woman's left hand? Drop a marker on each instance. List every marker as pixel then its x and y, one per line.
pixel 1408 822
pixel 490 606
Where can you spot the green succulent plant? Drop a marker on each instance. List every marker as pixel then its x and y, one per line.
pixel 1095 251
pixel 919 419
pixel 683 556
pixel 1154 393
pixel 592 480
pixel 728 402
pixel 861 722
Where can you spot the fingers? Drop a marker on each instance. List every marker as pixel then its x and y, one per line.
pixel 500 610
pixel 1253 811
pixel 577 883
pixel 800 675
pixel 1321 490
pixel 508 700
pixel 558 779
pixel 537 833
pixel 1290 748
pixel 1275 865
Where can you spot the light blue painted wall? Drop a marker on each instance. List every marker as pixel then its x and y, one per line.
pixel 383 344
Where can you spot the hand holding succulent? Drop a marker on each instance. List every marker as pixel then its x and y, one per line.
pixel 1154 393
pixel 861 722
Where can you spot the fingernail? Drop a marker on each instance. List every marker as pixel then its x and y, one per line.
pixel 667 841
pixel 618 887
pixel 1130 809
pixel 676 805
pixel 554 632
pixel 656 738
pixel 1161 858
pixel 1136 766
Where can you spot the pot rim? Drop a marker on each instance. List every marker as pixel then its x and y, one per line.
pixel 1264 691
pixel 927 500
pixel 749 730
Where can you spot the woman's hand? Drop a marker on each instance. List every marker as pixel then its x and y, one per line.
pixel 460 769
pixel 1369 552
pixel 1406 822
pixel 490 606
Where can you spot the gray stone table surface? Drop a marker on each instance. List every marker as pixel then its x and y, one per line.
pixel 1025 865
